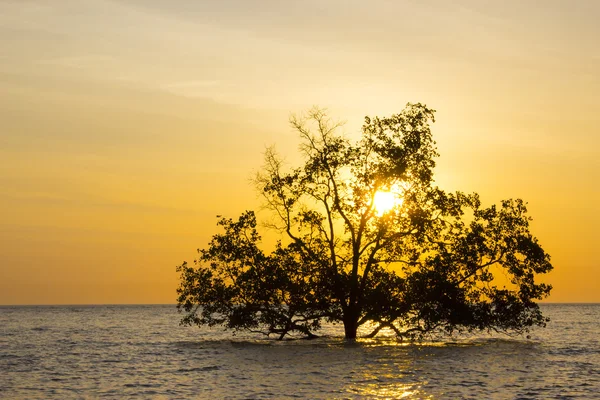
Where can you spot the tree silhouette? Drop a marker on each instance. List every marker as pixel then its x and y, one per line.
pixel 427 261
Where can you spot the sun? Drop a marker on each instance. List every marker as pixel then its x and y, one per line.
pixel 385 201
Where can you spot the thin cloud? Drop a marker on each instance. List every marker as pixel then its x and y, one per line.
pixel 84 61
pixel 196 88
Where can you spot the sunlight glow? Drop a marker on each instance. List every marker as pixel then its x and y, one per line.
pixel 385 201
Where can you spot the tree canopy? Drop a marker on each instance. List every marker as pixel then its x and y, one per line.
pixel 368 240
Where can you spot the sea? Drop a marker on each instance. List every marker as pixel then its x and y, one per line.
pixel 140 351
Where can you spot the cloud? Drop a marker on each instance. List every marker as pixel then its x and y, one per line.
pixel 195 88
pixel 84 61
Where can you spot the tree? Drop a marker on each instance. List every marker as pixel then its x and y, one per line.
pixel 367 239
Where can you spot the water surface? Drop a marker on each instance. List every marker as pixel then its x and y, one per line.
pixel 140 351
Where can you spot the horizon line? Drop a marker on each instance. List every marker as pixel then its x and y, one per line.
pixel 175 304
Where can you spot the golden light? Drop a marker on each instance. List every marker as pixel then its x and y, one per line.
pixel 385 201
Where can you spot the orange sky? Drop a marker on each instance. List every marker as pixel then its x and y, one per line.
pixel 126 126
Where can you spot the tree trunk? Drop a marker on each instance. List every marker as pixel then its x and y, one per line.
pixel 350 324
pixel 350 330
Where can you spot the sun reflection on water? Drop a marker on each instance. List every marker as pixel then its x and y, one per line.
pixel 398 391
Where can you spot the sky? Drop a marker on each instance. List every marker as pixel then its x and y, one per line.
pixel 126 126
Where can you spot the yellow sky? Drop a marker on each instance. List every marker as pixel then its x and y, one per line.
pixel 126 126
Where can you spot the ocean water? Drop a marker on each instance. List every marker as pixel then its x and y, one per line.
pixel 62 352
